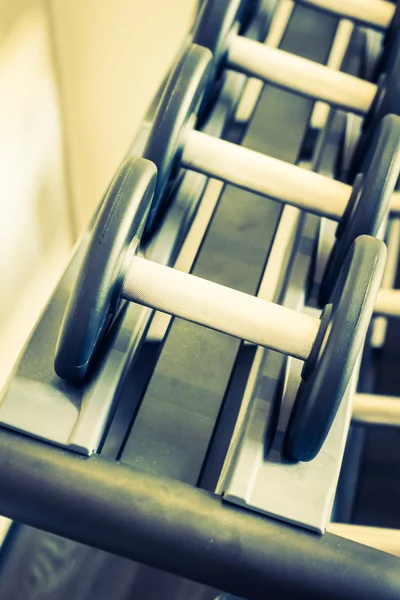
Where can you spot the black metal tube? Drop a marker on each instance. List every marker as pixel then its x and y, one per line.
pixel 183 530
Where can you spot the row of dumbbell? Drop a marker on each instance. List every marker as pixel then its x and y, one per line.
pixel 368 409
pixel 112 269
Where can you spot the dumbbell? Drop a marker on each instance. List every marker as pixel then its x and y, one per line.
pixel 173 143
pixel 217 30
pixel 376 14
pixel 113 271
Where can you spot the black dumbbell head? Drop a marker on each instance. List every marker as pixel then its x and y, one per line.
pixel 217 21
pixel 386 102
pixel 391 42
pixel 212 29
pixel 328 370
pixel 370 199
pixel 176 116
pixel 95 298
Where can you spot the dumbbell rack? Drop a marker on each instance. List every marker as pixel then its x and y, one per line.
pixel 169 420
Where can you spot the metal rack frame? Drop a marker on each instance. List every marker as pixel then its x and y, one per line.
pixel 168 524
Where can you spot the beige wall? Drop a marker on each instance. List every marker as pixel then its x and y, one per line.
pixel 35 238
pixel 76 76
pixel 112 56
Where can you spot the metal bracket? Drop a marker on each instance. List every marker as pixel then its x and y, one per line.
pixel 257 476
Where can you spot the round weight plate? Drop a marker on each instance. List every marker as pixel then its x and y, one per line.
pixel 333 360
pixel 391 41
pixel 387 102
pixel 214 26
pixel 213 30
pixel 370 199
pixel 176 114
pixel 96 294
pixel 248 10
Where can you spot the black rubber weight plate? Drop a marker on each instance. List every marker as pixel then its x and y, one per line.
pixel 368 205
pixel 320 395
pixel 219 18
pixel 386 102
pixel 390 42
pixel 96 293
pixel 216 22
pixel 176 113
